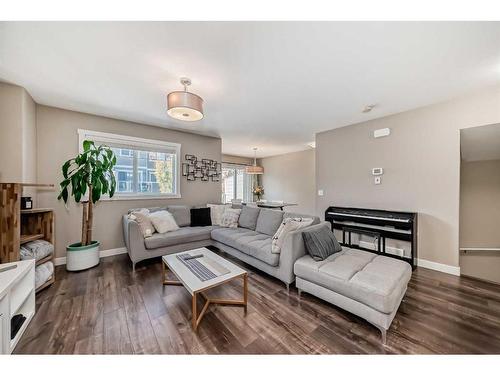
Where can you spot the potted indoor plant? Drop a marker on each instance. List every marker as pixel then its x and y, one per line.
pixel 87 177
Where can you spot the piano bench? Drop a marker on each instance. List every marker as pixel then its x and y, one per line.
pixel 368 285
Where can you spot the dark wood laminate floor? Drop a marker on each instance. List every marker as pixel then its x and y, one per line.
pixel 108 309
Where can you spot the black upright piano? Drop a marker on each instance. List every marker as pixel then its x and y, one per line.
pixel 378 224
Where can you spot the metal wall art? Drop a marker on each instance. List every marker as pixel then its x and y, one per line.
pixel 204 169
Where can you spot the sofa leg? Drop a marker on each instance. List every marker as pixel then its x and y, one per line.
pixel 383 333
pixel 133 266
pixel 287 288
pixel 300 292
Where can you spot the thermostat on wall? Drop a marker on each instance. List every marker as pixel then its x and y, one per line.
pixel 377 171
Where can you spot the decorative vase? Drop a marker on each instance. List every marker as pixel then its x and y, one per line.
pixel 82 257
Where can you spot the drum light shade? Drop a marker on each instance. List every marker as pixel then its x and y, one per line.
pixel 254 169
pixel 183 105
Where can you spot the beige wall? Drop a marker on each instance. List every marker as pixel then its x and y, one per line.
pixel 58 141
pixel 480 218
pixel 290 177
pixel 236 159
pixel 11 146
pixel 421 159
pixel 17 137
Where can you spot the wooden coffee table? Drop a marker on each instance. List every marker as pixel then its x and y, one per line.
pixel 225 271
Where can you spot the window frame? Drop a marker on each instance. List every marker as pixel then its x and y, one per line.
pixel 148 145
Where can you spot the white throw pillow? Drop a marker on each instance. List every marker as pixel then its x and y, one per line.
pixel 230 217
pixel 216 213
pixel 141 217
pixel 163 221
pixel 288 225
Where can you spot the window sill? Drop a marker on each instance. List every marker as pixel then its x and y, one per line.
pixel 140 197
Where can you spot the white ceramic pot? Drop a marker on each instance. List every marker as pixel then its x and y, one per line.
pixel 82 257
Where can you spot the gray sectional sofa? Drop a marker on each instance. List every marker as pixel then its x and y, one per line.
pixel 368 285
pixel 250 242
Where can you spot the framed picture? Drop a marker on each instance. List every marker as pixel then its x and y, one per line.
pixel 185 169
pixel 190 177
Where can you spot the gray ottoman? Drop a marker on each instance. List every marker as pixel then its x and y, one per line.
pixel 368 285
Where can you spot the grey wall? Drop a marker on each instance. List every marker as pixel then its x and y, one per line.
pixel 480 218
pixel 290 177
pixel 421 159
pixel 57 141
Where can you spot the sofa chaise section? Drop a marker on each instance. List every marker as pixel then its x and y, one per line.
pixel 368 285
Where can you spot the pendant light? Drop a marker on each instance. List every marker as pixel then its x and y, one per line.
pixel 184 105
pixel 254 169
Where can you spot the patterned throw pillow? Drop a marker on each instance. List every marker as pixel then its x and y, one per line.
pixel 288 225
pixel 230 218
pixel 141 217
pixel 163 221
pixel 216 212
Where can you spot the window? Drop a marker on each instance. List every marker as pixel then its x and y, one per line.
pixel 236 184
pixel 144 168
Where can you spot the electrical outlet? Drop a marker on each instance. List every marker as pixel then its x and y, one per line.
pixel 377 180
pixel 321 192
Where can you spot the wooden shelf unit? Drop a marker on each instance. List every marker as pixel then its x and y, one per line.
pixel 22 226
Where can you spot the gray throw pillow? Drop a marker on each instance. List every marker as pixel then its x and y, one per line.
pixel 248 217
pixel 320 243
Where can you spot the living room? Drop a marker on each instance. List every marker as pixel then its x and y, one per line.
pixel 249 187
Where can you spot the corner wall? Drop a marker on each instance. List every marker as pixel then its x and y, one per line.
pixel 17 137
pixel 479 218
pixel 291 178
pixel 421 161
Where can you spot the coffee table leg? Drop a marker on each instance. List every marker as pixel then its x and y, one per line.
pixel 194 320
pixel 245 291
pixel 164 279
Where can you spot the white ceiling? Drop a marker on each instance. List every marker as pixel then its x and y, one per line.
pixel 480 143
pixel 270 85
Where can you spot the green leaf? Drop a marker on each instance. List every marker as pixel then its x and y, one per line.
pixel 65 168
pixel 96 191
pixel 87 144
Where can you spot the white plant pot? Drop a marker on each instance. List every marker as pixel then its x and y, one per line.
pixel 82 257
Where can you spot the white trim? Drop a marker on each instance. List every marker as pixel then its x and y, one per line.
pixel 145 143
pixel 452 270
pixel 102 254
pixel 480 249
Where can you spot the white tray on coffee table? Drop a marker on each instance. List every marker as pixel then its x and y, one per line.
pixel 224 269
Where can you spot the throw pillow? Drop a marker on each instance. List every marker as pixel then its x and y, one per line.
pixel 230 218
pixel 163 221
pixel 141 217
pixel 216 212
pixel 248 217
pixel 200 217
pixel 320 243
pixel 288 225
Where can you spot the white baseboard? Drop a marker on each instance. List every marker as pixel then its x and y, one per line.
pixel 102 254
pixel 420 262
pixel 452 270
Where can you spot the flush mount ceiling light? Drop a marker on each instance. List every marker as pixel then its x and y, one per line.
pixel 184 105
pixel 254 169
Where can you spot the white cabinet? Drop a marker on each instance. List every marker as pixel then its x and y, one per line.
pixel 17 296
